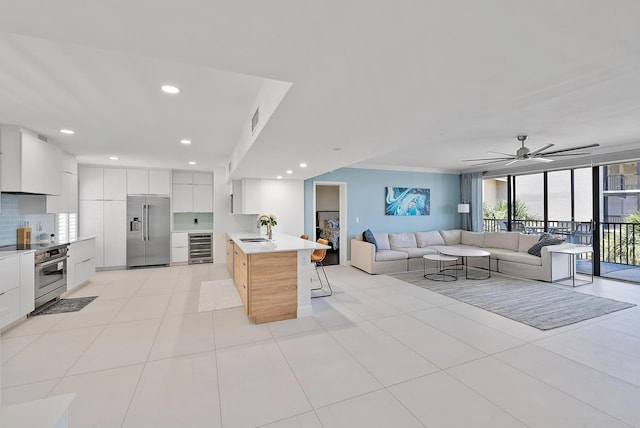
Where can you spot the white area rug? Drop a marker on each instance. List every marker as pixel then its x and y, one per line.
pixel 221 294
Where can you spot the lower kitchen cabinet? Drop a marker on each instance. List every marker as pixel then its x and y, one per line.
pixel 17 288
pixel 179 247
pixel 81 264
pixel 107 221
pixel 27 283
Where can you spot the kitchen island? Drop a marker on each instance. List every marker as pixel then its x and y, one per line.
pixel 273 277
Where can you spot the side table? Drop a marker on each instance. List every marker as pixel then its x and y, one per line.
pixel 440 274
pixel 571 253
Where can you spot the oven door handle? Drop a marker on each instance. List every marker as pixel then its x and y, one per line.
pixel 50 262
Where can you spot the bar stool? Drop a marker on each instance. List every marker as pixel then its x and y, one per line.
pixel 317 257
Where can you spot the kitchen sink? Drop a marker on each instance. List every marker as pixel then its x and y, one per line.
pixel 254 239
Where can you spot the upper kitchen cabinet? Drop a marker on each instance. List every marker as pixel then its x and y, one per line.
pixel 102 184
pixel 67 202
pixel 192 192
pixel 28 163
pixel 148 182
pixel 247 194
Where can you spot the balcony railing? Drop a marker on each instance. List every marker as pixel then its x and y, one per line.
pixel 622 182
pixel 619 242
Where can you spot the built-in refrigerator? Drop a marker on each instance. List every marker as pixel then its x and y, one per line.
pixel 148 237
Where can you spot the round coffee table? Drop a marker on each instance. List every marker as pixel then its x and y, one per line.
pixel 465 253
pixel 441 274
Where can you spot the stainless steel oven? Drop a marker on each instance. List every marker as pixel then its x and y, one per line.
pixel 51 273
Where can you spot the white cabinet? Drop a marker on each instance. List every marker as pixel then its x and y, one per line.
pixel 148 182
pixel 27 283
pixel 192 192
pixel 17 288
pixel 29 164
pixel 92 224
pixel 103 205
pixel 159 182
pixel 247 194
pixel 115 184
pixel 81 264
pixel 67 201
pixel 179 247
pixel 115 233
pixel 182 198
pixel 202 198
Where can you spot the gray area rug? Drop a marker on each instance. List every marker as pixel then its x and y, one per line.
pixel 66 305
pixel 537 304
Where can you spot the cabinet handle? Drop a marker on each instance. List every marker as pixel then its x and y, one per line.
pixel 3 293
pixel 243 286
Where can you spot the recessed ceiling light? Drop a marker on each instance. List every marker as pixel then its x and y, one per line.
pixel 336 149
pixel 279 177
pixel 303 165
pixel 170 89
pixel 185 141
pixel 67 131
pixel 114 158
pixel 192 163
pixel 289 172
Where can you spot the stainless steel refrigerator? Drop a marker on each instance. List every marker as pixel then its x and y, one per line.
pixel 148 237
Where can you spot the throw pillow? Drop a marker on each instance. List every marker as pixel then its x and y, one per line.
pixel 544 241
pixel 367 236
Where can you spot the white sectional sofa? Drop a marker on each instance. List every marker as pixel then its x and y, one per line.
pixel 399 252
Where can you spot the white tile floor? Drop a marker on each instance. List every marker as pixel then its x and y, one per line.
pixel 379 353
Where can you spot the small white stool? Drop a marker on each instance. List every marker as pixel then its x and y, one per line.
pixel 441 274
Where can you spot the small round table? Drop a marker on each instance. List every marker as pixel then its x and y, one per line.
pixel 465 253
pixel 441 274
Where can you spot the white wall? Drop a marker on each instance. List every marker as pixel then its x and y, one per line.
pixel 284 198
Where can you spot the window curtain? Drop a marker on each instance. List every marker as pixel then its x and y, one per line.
pixel 471 193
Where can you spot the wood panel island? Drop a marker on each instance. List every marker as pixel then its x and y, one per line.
pixel 273 277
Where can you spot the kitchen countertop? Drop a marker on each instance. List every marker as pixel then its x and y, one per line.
pixel 279 243
pixel 10 252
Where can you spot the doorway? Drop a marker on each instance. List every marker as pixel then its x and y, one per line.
pixel 330 220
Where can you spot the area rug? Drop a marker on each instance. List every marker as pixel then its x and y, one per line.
pixel 537 304
pixel 220 294
pixel 66 305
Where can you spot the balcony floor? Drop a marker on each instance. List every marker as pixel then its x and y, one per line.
pixel 613 270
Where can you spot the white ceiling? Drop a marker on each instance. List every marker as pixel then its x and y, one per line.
pixel 403 84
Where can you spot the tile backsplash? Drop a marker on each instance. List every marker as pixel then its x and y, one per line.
pixel 11 220
pixel 187 221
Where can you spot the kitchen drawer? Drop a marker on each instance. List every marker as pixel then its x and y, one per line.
pixel 11 301
pixel 10 273
pixel 83 272
pixel 179 239
pixel 179 254
pixel 83 250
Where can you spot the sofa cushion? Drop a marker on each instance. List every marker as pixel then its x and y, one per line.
pixel 426 239
pixel 506 240
pixel 451 237
pixel 383 241
pixel 389 255
pixel 526 242
pixel 367 235
pixel 496 253
pixel 520 257
pixel 402 240
pixel 472 238
pixel 544 241
pixel 416 253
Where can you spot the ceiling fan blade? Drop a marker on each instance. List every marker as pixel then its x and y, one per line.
pixel 539 149
pixel 540 159
pixel 571 149
pixel 547 155
pixel 487 159
pixel 489 162
pixel 512 162
pixel 501 153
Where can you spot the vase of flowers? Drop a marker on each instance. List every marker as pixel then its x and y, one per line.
pixel 268 220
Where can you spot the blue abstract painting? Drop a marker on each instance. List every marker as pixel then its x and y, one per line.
pixel 407 201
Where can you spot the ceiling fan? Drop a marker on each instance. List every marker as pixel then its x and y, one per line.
pixel 539 154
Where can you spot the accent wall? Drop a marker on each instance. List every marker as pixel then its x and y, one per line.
pixel 366 200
